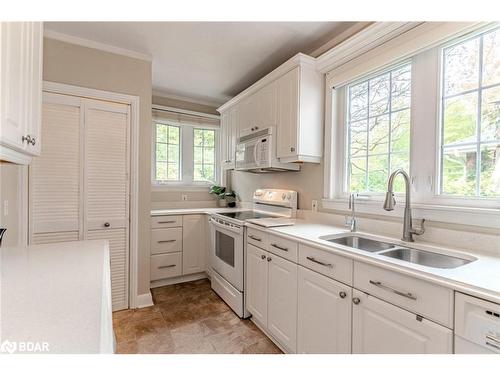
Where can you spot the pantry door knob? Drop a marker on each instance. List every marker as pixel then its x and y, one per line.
pixel 263 256
pixel 107 225
pixel 356 300
pixel 269 259
pixel 342 294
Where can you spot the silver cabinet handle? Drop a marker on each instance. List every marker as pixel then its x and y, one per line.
pixel 493 338
pixel 269 259
pixel 263 256
pixel 279 247
pixel 255 238
pixel 356 300
pixel 329 265
pixel 492 345
pixel 166 241
pixel 167 266
pixel 342 294
pixel 166 222
pixel 395 291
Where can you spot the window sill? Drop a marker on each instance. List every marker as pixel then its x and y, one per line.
pixel 483 217
pixel 180 187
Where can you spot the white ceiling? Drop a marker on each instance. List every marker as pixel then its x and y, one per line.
pixel 209 61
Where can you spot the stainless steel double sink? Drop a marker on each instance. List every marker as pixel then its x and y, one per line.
pixel 408 254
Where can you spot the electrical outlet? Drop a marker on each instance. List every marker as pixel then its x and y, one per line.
pixel 184 197
pixel 314 205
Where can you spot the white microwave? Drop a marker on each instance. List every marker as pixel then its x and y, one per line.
pixel 256 153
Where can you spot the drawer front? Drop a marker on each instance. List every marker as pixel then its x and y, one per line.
pixel 421 297
pixel 328 264
pixel 166 240
pixel 166 265
pixel 166 221
pixel 257 238
pixel 283 247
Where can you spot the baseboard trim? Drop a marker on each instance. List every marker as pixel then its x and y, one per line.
pixel 179 279
pixel 144 300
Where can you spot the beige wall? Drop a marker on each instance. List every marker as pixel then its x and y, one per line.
pixel 308 182
pixel 87 67
pixel 9 191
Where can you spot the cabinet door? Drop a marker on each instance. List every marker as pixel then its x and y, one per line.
pixel 106 189
pixel 257 278
pixel 14 83
pixel 193 244
pixel 266 106
pixel 282 301
pixel 224 138
pixel 382 328
pixel 247 119
pixel 324 314
pixel 232 134
pixel 288 112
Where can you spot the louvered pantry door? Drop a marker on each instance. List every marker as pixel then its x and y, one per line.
pixel 106 170
pixel 54 176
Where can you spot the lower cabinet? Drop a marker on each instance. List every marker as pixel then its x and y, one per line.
pixel 324 314
pixel 193 244
pixel 271 295
pixel 379 327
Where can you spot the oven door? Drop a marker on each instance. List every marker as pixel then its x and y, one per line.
pixel 227 253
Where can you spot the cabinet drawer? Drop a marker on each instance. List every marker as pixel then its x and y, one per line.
pixel 166 240
pixel 257 238
pixel 328 264
pixel 429 300
pixel 283 247
pixel 166 265
pixel 166 221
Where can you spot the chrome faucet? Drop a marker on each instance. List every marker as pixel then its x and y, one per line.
pixel 390 202
pixel 352 222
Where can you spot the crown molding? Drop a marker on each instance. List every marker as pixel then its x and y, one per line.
pixel 368 38
pixel 167 95
pixel 297 60
pixel 50 34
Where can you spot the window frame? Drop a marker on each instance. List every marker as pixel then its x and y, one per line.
pixel 186 157
pixel 424 155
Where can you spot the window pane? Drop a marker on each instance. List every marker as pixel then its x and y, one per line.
pixel 173 171
pixel 358 174
pixel 209 138
pixel 161 133
pixel 358 99
pixel 198 172
pixel 379 95
pixel 378 168
pixel 491 58
pixel 490 116
pixel 379 131
pixel 460 115
pixel 490 171
pixel 198 155
pixel 173 135
pixel 400 131
pixel 459 171
pixel 198 137
pixel 161 152
pixel 461 67
pixel 209 155
pixel 401 88
pixel 400 161
pixel 173 154
pixel 204 155
pixel 208 172
pixel 161 171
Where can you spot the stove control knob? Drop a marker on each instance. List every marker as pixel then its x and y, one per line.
pixel 283 196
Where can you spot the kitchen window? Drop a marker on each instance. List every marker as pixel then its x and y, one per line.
pixel 184 155
pixel 435 114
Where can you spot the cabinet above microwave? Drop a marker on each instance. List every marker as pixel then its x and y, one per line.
pixel 290 100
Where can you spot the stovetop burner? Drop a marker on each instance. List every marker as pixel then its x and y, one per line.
pixel 245 215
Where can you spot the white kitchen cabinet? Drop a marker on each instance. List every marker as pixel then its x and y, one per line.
pixel 282 301
pixel 229 129
pixel 256 291
pixel 381 328
pixel 300 115
pixel 21 90
pixel 193 244
pixel 324 314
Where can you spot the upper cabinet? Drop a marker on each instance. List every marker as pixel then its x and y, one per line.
pixel 21 90
pixel 290 100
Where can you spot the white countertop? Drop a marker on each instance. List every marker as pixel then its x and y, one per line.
pixel 480 278
pixel 193 211
pixel 57 294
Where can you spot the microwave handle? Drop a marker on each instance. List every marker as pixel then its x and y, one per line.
pixel 255 150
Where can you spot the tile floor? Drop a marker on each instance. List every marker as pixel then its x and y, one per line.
pixel 188 318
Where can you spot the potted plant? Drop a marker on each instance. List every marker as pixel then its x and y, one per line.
pixel 225 198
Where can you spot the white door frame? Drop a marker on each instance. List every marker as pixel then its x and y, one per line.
pixel 133 101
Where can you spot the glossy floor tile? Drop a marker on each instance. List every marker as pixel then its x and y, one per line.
pixel 188 318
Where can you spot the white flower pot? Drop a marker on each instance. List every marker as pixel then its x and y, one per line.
pixel 222 203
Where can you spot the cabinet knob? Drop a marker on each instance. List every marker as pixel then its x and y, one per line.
pixel 342 294
pixel 356 300
pixel 263 256
pixel 269 259
pixel 107 225
pixel 256 127
pixel 33 141
pixel 292 149
pixel 26 138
